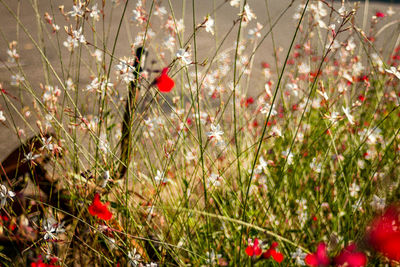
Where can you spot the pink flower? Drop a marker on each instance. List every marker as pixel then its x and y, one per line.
pixel 319 258
pixel 253 249
pixel 164 82
pixel 272 253
pixel 350 258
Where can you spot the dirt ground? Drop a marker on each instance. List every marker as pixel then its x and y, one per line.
pixel 32 64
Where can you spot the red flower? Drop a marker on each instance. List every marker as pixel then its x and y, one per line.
pixel 99 209
pixel 319 258
pixel 272 253
pixel 253 249
pixel 164 82
pixel 384 233
pixel 350 258
pixel 40 263
pixel 380 15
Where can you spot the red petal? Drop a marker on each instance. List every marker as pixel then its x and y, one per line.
pixel 350 258
pixel 164 82
pixel 99 209
pixel 249 251
pixel 277 256
pixel 322 254
pixel 311 260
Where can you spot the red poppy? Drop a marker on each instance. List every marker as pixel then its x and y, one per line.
pixel 384 233
pixel 272 253
pixel 380 14
pixel 319 258
pixel 349 257
pixel 164 82
pixel 253 249
pixel 99 209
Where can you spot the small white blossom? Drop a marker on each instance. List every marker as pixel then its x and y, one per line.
pixel 209 25
pixel 354 189
pixel 299 256
pixel 30 157
pixel 160 179
pixel 235 3
pixel 346 112
pixel 134 258
pixel 214 180
pixel 215 132
pixel 184 56
pixel 393 71
pixel 378 203
pixel 5 194
pixel 17 79
pixel 2 117
pixel 95 13
pixel 77 10
pixel 52 228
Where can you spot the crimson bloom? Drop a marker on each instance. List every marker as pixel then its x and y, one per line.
pixel 349 257
pixel 253 249
pixel 319 258
pixel 272 253
pixel 164 82
pixel 99 209
pixel 380 14
pixel 384 233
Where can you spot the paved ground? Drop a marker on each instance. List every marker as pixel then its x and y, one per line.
pixel 30 58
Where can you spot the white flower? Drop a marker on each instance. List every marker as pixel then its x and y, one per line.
pixel 234 3
pixel 98 54
pixel 94 85
pixel 71 43
pixel 2 118
pixel 76 10
pixel 184 56
pixel 134 258
pixel 378 203
pixel 289 156
pixel 266 109
pixel 390 11
pixel 95 14
pixel 248 14
pixel 214 180
pixel 304 68
pixel 209 24
pixel 47 144
pixel 180 26
pixel 299 256
pixel 314 166
pixel 262 166
pixel 160 11
pixel 12 55
pixel 393 71
pixel 350 45
pixel 215 132
pixel 5 194
pixel 354 189
pixel 159 178
pixel 104 179
pixel 79 36
pixel 348 115
pixel 30 157
pixel 212 258
pixel 52 228
pixel 17 79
